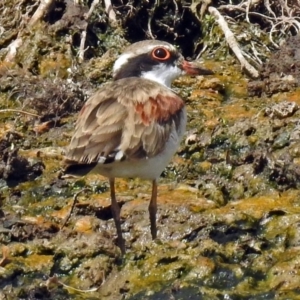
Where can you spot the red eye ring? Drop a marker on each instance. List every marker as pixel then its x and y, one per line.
pixel 161 53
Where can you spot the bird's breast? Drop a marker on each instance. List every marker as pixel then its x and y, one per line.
pixel 148 167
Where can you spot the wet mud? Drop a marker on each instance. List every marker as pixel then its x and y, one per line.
pixel 281 73
pixel 228 207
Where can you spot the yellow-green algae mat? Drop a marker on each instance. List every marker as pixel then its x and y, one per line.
pixel 229 225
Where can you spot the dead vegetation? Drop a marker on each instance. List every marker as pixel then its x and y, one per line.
pixel 176 21
pixel 281 73
pixel 52 41
pixel 54 53
pixel 13 167
pixel 48 98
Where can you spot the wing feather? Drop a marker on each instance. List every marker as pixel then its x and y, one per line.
pixel 128 119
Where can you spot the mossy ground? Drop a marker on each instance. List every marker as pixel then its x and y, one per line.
pixel 228 214
pixel 229 202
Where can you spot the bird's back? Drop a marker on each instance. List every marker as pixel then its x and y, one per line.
pixel 127 123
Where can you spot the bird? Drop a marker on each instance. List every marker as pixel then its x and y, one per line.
pixel 132 126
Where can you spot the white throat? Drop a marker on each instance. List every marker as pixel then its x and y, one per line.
pixel 163 74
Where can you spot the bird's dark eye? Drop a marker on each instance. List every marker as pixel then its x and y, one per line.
pixel 161 53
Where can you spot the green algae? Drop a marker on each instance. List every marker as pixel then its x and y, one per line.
pixel 228 203
pixel 230 244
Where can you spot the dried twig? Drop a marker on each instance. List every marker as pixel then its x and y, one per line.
pixel 53 281
pixel 255 53
pixel 92 8
pixel 41 11
pixel 110 11
pixel 176 12
pixel 205 4
pixel 233 44
pixel 150 17
pixel 268 7
pixel 5 256
pixel 12 50
pixel 81 47
pixel 72 207
pixel 286 20
pixel 247 11
pixel 111 16
pixel 19 111
pixel 289 23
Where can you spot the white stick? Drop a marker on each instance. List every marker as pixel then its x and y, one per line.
pixel 41 11
pixel 233 44
pixel 110 11
pixel 12 50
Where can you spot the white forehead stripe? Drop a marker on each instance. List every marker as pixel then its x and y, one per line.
pixel 123 58
pixel 161 72
pixel 121 61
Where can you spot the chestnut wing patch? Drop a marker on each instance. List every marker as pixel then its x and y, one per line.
pixel 116 124
pixel 161 109
pixel 154 121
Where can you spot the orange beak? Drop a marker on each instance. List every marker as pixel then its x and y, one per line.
pixel 191 68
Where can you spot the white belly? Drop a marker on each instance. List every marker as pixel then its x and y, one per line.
pixel 147 168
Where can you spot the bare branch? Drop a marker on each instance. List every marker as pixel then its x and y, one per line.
pixel 81 47
pixel 110 11
pixel 247 11
pixel 281 23
pixel 41 11
pixel 205 4
pixel 12 50
pixel 233 44
pixel 92 8
pixel 72 207
pixel 18 111
pixel 268 6
pixel 151 13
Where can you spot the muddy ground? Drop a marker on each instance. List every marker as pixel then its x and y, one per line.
pixel 229 202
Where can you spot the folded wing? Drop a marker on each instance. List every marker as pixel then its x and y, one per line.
pixel 126 120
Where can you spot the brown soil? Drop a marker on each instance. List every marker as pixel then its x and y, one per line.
pixel 228 216
pixel 281 73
